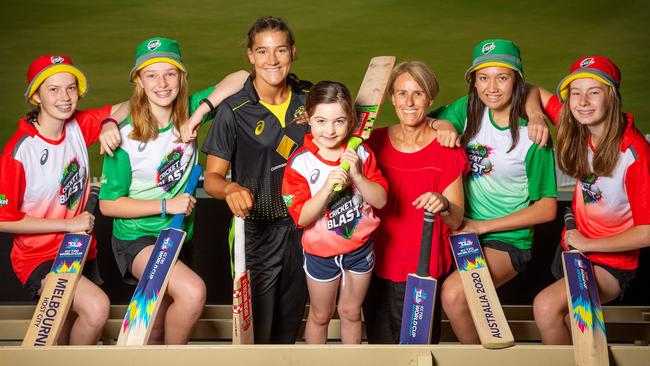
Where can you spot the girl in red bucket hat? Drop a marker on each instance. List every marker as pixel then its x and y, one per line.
pixel 45 185
pixel 610 159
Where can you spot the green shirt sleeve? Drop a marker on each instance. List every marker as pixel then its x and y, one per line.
pixel 540 170
pixel 195 102
pixel 116 176
pixel 455 112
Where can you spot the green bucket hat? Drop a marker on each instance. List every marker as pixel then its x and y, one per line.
pixel 157 49
pixel 496 52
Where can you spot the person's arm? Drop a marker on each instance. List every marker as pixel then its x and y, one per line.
pixel 231 84
pixel 238 198
pixel 34 225
pixel 537 128
pixel 109 137
pixel 314 207
pixel 128 208
pixel 539 212
pixel 447 135
pixel 373 193
pixel 633 238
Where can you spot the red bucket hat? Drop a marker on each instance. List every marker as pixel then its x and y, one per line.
pixel 48 65
pixel 595 67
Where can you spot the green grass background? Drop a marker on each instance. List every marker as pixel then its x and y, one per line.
pixel 335 40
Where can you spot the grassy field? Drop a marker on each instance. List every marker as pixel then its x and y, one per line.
pixel 334 41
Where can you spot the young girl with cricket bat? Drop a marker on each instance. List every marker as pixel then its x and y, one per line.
pixel 600 147
pixel 45 185
pixel 338 237
pixel 511 185
pixel 142 183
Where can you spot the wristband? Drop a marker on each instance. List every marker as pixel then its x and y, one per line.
pixel 108 120
pixel 164 208
pixel 209 104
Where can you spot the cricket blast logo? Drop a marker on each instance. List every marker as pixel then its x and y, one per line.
pixel 343 213
pixel 171 169
pixel 479 159
pixel 591 193
pixel 71 184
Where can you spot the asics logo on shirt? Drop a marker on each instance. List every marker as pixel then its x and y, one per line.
pixel 313 176
pixel 44 154
pixel 259 128
pixel 478 156
pixel 591 193
pixel 142 146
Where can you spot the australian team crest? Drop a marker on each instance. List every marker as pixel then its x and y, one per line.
pixel 344 213
pixel 71 185
pixel 591 193
pixel 479 159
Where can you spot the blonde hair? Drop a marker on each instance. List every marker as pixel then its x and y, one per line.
pixel 573 141
pixel 145 126
pixel 421 73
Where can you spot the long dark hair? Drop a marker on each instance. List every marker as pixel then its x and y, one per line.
pixel 475 108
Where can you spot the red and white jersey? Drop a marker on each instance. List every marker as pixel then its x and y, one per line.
pixel 47 179
pixel 348 221
pixel 608 205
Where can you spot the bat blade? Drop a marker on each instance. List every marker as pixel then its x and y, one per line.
pixel 585 311
pixel 145 302
pixel 60 284
pixel 487 314
pixel 420 294
pixel 242 307
pixel 369 99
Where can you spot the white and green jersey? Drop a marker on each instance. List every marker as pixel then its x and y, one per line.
pixel 150 170
pixel 501 182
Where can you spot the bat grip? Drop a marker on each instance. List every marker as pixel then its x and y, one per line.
pixel 93 197
pixel 425 244
pixel 353 143
pixel 192 182
pixel 569 222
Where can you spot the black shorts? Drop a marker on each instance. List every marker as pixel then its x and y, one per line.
pixel 518 257
pixel 125 252
pixel 624 277
pixel 33 283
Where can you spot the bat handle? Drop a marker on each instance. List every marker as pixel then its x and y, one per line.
pixel 425 244
pixel 353 143
pixel 569 222
pixel 192 182
pixel 93 197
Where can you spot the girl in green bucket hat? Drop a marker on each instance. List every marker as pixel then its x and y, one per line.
pixel 511 185
pixel 142 183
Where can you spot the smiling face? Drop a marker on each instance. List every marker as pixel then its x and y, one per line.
pixel 330 126
pixel 271 57
pixel 588 101
pixel 161 83
pixel 494 86
pixel 57 96
pixel 410 100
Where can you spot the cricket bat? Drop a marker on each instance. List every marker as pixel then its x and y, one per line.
pixel 60 283
pixel 369 99
pixel 242 307
pixel 586 315
pixel 420 294
pixel 145 302
pixel 487 314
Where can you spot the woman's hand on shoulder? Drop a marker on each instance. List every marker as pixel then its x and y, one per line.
pixel 447 135
pixel 538 129
pixel 190 127
pixel 181 204
pixel 109 138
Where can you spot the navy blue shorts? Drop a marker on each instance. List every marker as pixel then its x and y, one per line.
pixel 359 261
